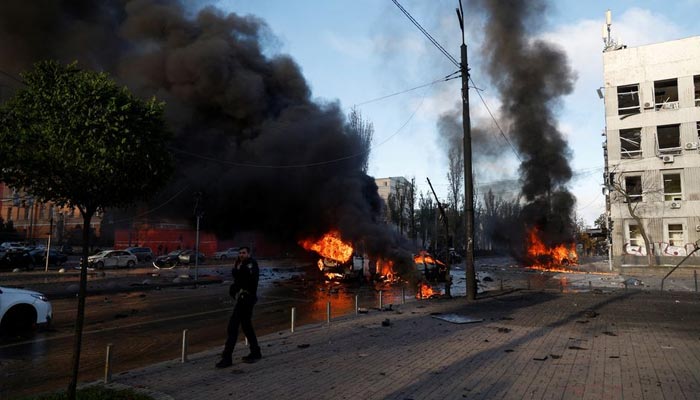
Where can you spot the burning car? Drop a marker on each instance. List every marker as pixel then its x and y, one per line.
pixel 432 269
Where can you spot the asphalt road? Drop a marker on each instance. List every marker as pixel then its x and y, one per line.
pixel 146 327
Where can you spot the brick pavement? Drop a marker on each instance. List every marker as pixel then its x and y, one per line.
pixel 531 345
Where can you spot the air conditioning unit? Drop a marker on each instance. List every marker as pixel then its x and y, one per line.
pixel 697 228
pixel 667 158
pixel 691 146
pixel 675 204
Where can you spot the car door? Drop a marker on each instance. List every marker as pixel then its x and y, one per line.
pixel 111 259
pixel 123 258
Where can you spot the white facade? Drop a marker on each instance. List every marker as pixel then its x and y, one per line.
pixel 652 116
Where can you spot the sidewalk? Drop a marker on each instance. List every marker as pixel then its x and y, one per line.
pixel 612 345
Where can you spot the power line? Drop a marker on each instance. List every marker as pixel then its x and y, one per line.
pixel 444 79
pixel 427 35
pixel 496 122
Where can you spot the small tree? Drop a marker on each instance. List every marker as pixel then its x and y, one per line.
pixel 364 130
pixel 76 138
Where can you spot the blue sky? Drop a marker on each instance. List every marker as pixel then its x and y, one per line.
pixel 354 51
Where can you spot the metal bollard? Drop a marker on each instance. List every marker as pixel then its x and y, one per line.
pixel 108 364
pixel 403 295
pixel 183 356
pixel 357 304
pixel 381 300
pixel 246 342
pixel 294 314
pixel 328 313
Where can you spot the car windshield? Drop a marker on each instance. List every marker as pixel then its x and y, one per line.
pixel 103 253
pixel 174 253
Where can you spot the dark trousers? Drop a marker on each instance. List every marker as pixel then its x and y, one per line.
pixel 242 314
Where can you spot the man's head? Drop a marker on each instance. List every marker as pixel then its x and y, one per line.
pixel 244 252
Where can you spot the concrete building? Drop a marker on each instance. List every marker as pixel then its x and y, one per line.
pixel 652 116
pixel 388 186
pixel 33 219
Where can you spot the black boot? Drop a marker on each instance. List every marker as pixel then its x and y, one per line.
pixel 253 356
pixel 225 362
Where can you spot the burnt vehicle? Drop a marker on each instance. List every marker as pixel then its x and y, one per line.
pixel 432 269
pixel 338 270
pixel 168 260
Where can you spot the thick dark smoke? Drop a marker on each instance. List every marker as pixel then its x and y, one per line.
pixel 531 76
pixel 247 134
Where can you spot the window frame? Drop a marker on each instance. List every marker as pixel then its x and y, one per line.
pixel 627 110
pixel 683 231
pixel 671 102
pixel 628 237
pixel 634 198
pixel 672 196
pixel 669 150
pixel 696 85
pixel 628 154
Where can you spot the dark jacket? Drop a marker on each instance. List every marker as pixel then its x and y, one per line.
pixel 245 280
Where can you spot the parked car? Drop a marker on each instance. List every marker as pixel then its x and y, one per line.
pixel 187 257
pixel 170 259
pixel 141 253
pixel 22 310
pixel 228 253
pixel 433 269
pixel 16 258
pixel 66 249
pixel 112 259
pixel 55 257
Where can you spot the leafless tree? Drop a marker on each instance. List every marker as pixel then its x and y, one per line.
pixel 364 130
pixel 632 190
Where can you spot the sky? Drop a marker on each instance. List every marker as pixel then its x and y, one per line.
pixel 353 52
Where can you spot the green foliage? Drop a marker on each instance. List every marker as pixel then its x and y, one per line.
pixel 76 138
pixel 96 392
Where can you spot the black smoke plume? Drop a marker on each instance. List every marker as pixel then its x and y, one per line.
pixel 248 137
pixel 531 76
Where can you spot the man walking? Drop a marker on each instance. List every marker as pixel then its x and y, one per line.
pixel 244 291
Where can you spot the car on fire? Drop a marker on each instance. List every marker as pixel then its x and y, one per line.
pixel 22 310
pixel 432 269
pixel 188 257
pixel 112 259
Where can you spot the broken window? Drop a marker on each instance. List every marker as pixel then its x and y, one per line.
pixel 676 234
pixel 696 81
pixel 631 143
pixel 672 187
pixel 669 139
pixel 633 188
pixel 628 99
pixel 666 94
pixel 634 235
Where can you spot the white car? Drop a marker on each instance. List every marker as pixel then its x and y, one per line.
pixel 228 253
pixel 112 259
pixel 22 310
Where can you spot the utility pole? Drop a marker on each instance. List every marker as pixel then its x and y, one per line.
pixel 470 271
pixel 198 214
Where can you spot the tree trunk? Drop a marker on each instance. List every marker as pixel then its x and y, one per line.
pixel 78 337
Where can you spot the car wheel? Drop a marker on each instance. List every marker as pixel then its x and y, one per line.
pixel 130 264
pixel 20 319
pixel 99 265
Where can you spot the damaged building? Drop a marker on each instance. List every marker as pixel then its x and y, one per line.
pixel 652 177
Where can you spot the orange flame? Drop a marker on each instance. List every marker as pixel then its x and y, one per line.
pixel 424 257
pixel 329 246
pixel 549 258
pixel 385 268
pixel 425 291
